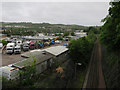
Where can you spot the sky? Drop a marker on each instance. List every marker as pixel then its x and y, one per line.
pixel 80 13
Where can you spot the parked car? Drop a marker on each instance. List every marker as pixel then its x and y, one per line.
pixel 17 49
pixel 32 45
pixel 52 42
pixel 47 43
pixel 25 47
pixel 19 42
pixel 10 48
pixel 41 45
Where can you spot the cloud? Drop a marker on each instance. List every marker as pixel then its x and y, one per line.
pixel 82 13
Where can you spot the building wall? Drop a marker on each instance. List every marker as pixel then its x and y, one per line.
pixel 48 63
pixel 61 58
pixel 41 67
pixel 44 65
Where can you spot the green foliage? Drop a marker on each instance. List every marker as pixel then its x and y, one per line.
pixel 91 37
pixel 94 29
pixel 27 74
pixel 60 38
pixel 110 35
pixel 66 33
pixel 18 31
pixel 80 50
pixel 3 42
pixel 72 34
pixel 9 83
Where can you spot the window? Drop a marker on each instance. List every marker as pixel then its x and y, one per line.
pixel 9 48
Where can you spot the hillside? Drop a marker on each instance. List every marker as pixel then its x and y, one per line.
pixel 42 26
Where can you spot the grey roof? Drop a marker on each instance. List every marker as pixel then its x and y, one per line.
pixel 56 50
pixel 39 56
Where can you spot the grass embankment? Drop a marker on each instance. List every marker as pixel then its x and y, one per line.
pixel 110 65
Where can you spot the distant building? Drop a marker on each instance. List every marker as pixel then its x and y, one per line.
pixel 41 34
pixel 80 34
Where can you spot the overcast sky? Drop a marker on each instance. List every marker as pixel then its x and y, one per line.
pixel 81 13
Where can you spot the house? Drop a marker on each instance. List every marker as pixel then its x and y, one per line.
pixel 59 52
pixel 43 60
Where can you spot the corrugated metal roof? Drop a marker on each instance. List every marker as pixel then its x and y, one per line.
pixel 56 50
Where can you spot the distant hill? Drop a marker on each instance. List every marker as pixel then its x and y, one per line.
pixel 29 28
pixel 39 26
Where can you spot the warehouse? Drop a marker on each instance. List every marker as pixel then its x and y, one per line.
pixel 59 53
pixel 42 58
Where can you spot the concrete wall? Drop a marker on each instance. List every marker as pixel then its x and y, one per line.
pixel 41 67
pixel 44 65
pixel 48 63
pixel 61 58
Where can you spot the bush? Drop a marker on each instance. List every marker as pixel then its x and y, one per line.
pixel 3 42
pixel 60 38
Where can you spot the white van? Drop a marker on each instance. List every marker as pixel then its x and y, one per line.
pixel 19 42
pixel 1 45
pixel 17 49
pixel 10 47
pixel 9 73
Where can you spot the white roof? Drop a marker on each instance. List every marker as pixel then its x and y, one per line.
pixel 56 50
pixel 10 44
pixel 6 69
pixel 36 50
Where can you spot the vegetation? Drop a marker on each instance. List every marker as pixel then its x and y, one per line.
pixel 110 39
pixel 110 34
pixel 72 33
pixel 66 33
pixel 60 38
pixel 80 50
pixel 18 31
pixel 3 42
pixel 26 79
pixel 28 28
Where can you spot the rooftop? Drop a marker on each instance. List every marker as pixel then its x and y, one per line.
pixel 56 50
pixel 39 56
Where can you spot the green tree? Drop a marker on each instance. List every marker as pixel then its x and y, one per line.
pixel 110 35
pixel 72 33
pixel 79 50
pixel 66 33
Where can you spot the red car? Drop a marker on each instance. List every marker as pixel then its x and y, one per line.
pixel 32 45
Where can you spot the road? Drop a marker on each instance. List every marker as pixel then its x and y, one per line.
pixel 6 59
pixel 94 76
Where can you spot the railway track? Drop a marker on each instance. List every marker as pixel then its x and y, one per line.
pixel 94 77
